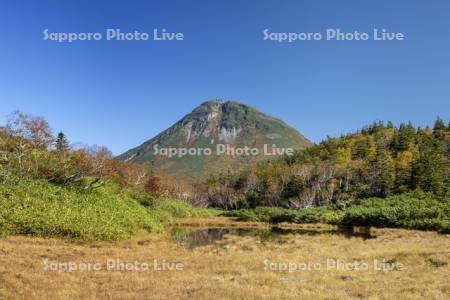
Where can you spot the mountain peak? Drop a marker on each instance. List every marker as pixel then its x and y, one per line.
pixel 211 123
pixel 212 102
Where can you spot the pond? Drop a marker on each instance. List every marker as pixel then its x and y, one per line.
pixel 193 237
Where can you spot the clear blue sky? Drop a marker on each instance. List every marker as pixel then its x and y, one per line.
pixel 119 94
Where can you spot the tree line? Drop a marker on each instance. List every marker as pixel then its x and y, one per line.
pixel 378 161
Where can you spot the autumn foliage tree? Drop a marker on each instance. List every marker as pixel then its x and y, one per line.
pixel 154 185
pixel 28 149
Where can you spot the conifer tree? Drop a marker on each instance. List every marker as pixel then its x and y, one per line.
pixel 62 145
pixel 439 128
pixel 430 167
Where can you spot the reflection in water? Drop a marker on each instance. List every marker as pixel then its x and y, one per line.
pixel 196 237
pixel 193 237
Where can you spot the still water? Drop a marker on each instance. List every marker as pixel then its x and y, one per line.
pixel 193 237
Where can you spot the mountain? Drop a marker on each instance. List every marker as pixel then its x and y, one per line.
pixel 225 128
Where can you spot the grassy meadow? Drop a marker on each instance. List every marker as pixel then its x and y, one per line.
pixel 233 268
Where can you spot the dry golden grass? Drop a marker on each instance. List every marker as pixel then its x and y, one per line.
pixel 232 268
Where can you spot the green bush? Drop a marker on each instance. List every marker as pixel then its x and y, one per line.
pixel 411 210
pixel 39 208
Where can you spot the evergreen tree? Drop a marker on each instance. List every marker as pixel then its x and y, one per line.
pixel 430 168
pixel 404 137
pixel 62 145
pixel 439 128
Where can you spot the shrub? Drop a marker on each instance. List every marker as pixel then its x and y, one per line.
pixel 411 210
pixel 39 208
